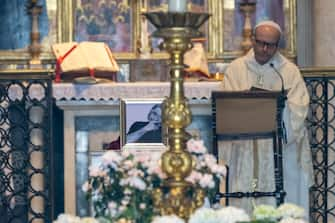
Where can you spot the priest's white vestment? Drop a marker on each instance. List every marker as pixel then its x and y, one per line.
pixel 242 74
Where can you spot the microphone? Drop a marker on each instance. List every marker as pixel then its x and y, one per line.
pixel 281 79
pixel 284 98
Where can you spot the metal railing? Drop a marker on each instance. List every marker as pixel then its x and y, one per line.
pixel 25 147
pixel 321 125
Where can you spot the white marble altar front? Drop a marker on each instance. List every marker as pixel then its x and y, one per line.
pixel 89 103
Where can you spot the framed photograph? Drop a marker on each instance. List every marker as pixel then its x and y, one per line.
pixel 141 124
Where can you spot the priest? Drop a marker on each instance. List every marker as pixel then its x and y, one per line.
pixel 265 67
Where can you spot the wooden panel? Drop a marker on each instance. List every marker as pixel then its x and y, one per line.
pixel 245 115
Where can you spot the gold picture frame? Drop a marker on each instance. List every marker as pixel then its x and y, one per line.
pixel 138 130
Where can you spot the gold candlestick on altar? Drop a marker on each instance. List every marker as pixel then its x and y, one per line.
pixel 35 46
pixel 247 8
pixel 177 29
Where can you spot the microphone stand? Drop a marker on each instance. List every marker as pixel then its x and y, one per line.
pixel 282 100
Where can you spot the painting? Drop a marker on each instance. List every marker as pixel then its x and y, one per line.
pixel 120 24
pixel 280 11
pixel 15 21
pixel 113 22
pixel 161 5
pixel 141 124
pixel 104 21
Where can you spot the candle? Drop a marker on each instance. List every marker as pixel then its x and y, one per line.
pixel 177 5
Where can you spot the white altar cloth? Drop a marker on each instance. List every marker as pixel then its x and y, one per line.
pixel 115 91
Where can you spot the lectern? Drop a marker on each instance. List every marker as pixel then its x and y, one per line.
pixel 246 115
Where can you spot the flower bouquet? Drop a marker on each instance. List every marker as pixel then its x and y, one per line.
pixel 222 215
pixel 120 189
pixel 285 213
pixel 66 218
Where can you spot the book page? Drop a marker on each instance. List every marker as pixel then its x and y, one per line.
pixel 257 88
pixel 85 56
pixel 196 59
pixel 73 61
pixel 98 56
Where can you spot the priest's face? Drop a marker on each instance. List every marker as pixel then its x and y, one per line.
pixel 265 43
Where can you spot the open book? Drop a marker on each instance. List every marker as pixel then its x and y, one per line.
pixel 257 88
pixel 196 60
pixel 83 59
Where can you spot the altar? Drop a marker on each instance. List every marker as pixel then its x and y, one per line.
pixel 91 116
pixel 92 120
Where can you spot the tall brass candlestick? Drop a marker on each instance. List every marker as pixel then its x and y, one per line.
pixel 35 46
pixel 177 30
pixel 247 9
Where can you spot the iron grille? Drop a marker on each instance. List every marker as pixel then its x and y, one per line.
pixel 321 125
pixel 25 147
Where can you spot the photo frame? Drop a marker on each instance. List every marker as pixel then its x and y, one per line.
pixel 141 124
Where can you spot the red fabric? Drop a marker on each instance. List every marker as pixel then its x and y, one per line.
pixel 59 62
pixel 91 72
pixel 114 145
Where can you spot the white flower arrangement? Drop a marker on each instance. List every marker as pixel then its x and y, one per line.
pixel 232 214
pixel 204 215
pixel 67 218
pixel 265 213
pixel 121 187
pixel 120 191
pixel 262 213
pixel 285 213
pixel 167 219
pixel 222 215
pixel 292 220
pixel 289 210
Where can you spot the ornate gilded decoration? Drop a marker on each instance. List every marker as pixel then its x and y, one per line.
pixel 35 47
pixel 116 23
pixel 216 30
pixel 177 30
pixel 247 8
